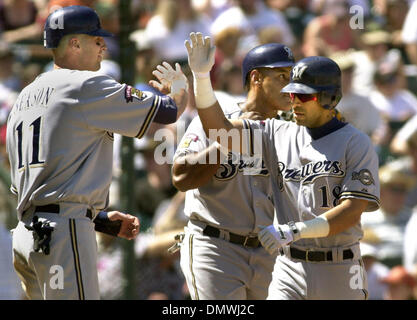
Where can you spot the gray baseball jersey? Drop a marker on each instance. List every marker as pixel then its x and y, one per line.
pixel 250 195
pixel 231 201
pixel 60 136
pixel 318 173
pixel 311 176
pixel 60 145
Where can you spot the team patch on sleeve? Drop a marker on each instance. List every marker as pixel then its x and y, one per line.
pixel 131 93
pixel 364 176
pixel 188 140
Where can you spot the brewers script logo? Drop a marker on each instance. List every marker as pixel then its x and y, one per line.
pixel 234 165
pixel 312 171
pixel 298 71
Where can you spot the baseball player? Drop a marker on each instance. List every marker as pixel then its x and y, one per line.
pixel 221 256
pixel 60 141
pixel 324 175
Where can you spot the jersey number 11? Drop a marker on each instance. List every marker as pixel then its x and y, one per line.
pixel 35 142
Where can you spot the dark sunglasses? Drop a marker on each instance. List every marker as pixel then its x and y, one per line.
pixel 303 97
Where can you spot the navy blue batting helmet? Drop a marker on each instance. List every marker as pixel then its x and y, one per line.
pixel 270 55
pixel 71 20
pixel 317 75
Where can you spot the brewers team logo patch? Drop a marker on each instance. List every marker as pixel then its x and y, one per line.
pixel 364 176
pixel 289 53
pixel 131 93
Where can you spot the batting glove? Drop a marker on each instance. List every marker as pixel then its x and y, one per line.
pixel 273 239
pixel 200 54
pixel 170 78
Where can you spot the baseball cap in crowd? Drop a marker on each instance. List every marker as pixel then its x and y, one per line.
pixel 141 40
pixel 368 250
pixel 344 59
pixel 397 173
pixel 376 37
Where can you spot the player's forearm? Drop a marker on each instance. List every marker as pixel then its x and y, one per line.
pixel 23 33
pixel 346 215
pixel 201 60
pixel 181 100
pixel 342 217
pixel 209 110
pixel 216 126
pixel 196 169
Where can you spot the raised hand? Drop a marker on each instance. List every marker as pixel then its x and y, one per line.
pixel 200 53
pixel 170 80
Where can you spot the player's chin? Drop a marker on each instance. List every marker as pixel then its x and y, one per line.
pixel 299 118
pixel 97 66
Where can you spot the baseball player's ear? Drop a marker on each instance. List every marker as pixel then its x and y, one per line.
pixel 74 43
pixel 255 77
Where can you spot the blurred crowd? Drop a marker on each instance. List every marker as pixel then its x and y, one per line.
pixel 373 41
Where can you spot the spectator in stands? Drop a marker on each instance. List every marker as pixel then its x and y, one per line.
pixel 405 143
pixel 254 15
pixel 401 284
pixel 395 105
pixel 376 50
pixel 18 20
pixel 409 33
pixel 159 275
pixel 331 31
pixel 395 17
pixel 297 13
pixel 171 26
pixel 410 244
pixel 9 85
pixel 385 227
pixel 356 109
pixel 230 82
pixel 226 38
pixel 375 270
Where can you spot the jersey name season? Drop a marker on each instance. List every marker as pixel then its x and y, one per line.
pixel 38 98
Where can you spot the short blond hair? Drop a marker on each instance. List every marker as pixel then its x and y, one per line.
pixel 63 44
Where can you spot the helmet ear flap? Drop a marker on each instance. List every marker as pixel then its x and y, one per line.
pixel 330 99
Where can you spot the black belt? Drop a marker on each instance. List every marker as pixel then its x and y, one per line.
pixel 251 242
pixel 54 208
pixel 318 256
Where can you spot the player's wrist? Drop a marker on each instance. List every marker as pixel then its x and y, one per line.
pixel 204 93
pixel 295 231
pixel 316 228
pixel 201 75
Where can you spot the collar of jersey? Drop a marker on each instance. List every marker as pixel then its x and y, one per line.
pixel 324 130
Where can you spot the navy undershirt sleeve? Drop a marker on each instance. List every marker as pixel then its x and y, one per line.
pixel 167 112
